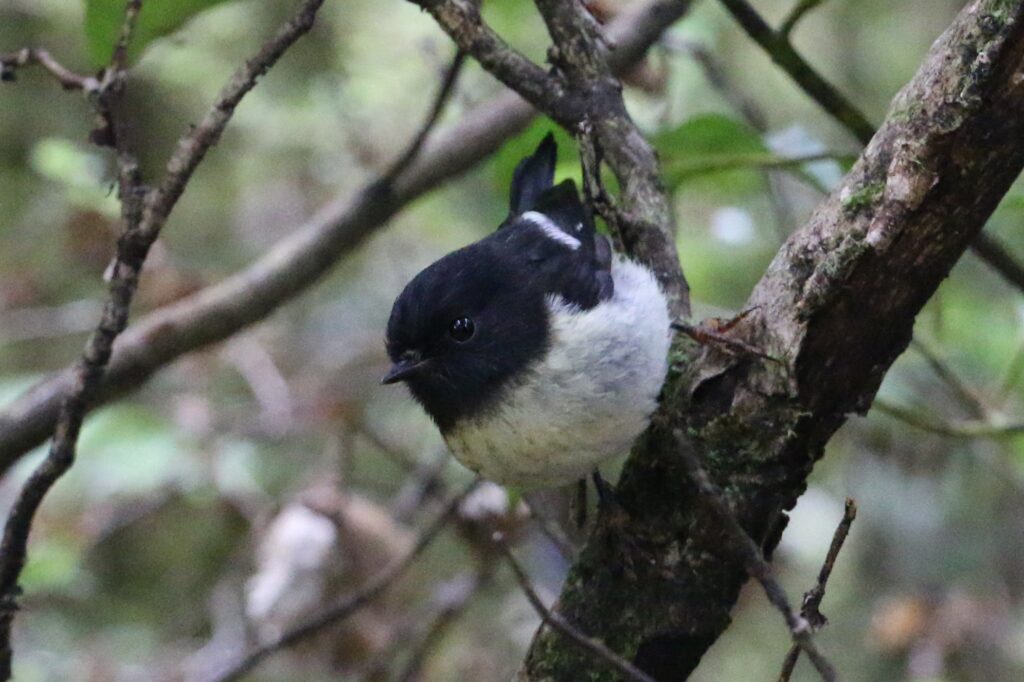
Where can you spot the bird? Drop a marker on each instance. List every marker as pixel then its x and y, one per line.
pixel 538 351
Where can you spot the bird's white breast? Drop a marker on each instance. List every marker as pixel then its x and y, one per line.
pixel 587 399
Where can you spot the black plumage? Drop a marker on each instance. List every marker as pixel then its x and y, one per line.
pixel 501 285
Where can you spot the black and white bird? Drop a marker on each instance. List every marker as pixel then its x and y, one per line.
pixel 537 351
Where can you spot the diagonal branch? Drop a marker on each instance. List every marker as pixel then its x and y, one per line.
pixel 645 220
pixel 68 79
pixel 781 51
pixel 836 306
pixel 800 629
pixel 461 20
pixel 351 603
pixel 583 92
pixel 300 260
pixel 810 608
pixel 563 627
pixel 139 231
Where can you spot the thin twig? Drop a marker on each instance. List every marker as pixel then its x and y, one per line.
pixel 193 146
pixel 456 600
pixel 810 81
pixel 298 261
pixel 998 257
pixel 466 27
pixel 412 151
pixel 708 336
pixel 133 246
pixel 549 528
pixel 956 429
pixel 560 624
pixel 971 401
pixel 765 161
pixel 87 374
pixel 719 79
pixel 809 609
pixel 68 79
pixel 350 603
pixel 753 559
pixel 801 8
pixel 781 51
pixel 119 57
pixel 1012 375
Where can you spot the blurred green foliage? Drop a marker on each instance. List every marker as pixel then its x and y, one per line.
pixel 104 18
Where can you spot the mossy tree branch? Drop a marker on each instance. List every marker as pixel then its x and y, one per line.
pixel 836 306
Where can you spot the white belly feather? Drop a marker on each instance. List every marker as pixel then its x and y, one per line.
pixel 587 399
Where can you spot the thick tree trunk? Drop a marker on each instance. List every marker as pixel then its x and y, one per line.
pixel 836 307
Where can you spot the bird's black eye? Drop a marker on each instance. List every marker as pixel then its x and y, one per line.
pixel 461 329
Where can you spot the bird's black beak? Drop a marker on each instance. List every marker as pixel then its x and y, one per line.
pixel 402 370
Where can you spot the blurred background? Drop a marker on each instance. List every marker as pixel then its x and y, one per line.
pixel 253 482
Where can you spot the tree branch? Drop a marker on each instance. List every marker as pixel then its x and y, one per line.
pixel 836 307
pixel 781 51
pixel 957 429
pixel 809 609
pixel 461 20
pixel 754 561
pixel 350 603
pixel 298 261
pixel 564 628
pixel 778 47
pixel 801 8
pixel 68 79
pixel 138 235
pixel 989 249
pixel 583 91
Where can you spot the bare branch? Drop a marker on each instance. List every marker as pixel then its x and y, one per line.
pixel 836 306
pixel 809 609
pixel 967 397
pixel 956 429
pixel 413 150
pixel 801 8
pixel 298 261
pixel 68 79
pixel 192 147
pixel 799 627
pixel 758 160
pixel 550 529
pixel 565 628
pixel 119 57
pixel 996 255
pixel 461 20
pixel 132 248
pixel 644 219
pixel 778 47
pixel 457 597
pixel 88 371
pixel 351 603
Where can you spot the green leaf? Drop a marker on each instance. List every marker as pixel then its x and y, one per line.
pixel 103 19
pixel 518 148
pixel 691 151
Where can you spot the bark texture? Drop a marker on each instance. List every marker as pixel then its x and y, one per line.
pixel 835 307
